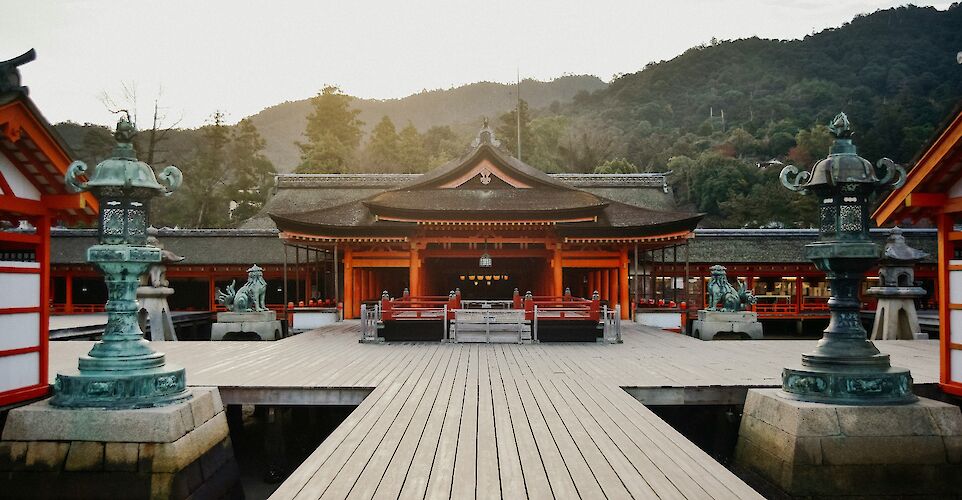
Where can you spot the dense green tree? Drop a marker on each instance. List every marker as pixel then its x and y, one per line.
pixel 412 156
pixel 333 133
pixel 810 145
pixel 383 148
pixel 507 129
pixel 251 174
pixel 616 166
pixel 441 145
pixel 203 200
pixel 544 149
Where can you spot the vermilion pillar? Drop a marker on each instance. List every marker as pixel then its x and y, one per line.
pixel 623 284
pixel 415 271
pixel 68 288
pixel 348 284
pixel 558 286
pixel 612 287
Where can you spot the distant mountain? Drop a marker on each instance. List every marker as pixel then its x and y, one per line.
pixel 894 72
pixel 461 107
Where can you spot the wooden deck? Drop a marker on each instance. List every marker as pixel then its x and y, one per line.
pixel 502 421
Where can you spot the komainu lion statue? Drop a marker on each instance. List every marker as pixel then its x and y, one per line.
pixel 250 297
pixel 720 291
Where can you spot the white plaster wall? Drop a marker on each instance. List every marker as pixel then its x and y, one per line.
pixel 19 330
pixel 955 325
pixel 22 370
pixel 19 290
pixel 21 186
pixel 955 361
pixel 303 321
pixel 659 319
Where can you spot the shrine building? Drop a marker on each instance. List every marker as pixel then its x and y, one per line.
pixel 486 224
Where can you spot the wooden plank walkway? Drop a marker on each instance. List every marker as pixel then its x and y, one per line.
pixel 502 420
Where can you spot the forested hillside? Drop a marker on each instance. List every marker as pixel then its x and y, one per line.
pixel 722 117
pixel 460 108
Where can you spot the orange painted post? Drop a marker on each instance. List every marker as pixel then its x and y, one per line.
pixel 946 251
pixel 623 285
pixel 358 284
pixel 211 292
pixel 415 271
pixel 348 284
pixel 307 282
pixel 68 289
pixel 612 287
pixel 604 284
pixel 43 257
pixel 557 274
pixel 592 283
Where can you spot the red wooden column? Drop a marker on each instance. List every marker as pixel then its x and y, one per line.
pixel 605 286
pixel 212 291
pixel 556 270
pixel 348 284
pixel 623 284
pixel 68 289
pixel 415 271
pixel 612 287
pixel 948 345
pixel 43 257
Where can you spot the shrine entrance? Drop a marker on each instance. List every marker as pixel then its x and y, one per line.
pixel 443 274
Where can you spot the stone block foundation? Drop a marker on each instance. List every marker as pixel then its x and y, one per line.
pixel 814 450
pixel 178 451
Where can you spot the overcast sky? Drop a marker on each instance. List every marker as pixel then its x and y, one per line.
pixel 241 56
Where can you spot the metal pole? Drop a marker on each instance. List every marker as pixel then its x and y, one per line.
pixel 285 280
pixel 297 274
pixel 674 272
pixel 687 297
pixel 337 285
pixel 634 285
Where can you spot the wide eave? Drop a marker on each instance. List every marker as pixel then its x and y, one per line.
pixel 485 187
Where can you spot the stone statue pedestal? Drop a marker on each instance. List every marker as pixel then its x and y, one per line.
pixel 711 323
pixel 153 305
pixel 254 325
pixel 817 450
pixel 176 451
pixel 895 316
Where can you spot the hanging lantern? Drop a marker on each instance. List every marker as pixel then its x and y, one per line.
pixel 485 260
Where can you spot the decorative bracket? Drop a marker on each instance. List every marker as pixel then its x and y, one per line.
pixel 793 179
pixel 75 171
pixel 892 173
pixel 171 177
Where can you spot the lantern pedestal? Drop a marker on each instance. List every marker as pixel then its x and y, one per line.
pixel 177 451
pixel 712 323
pixel 815 450
pixel 122 370
pixel 845 367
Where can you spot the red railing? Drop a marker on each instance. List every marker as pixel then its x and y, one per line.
pixel 553 307
pixel 424 307
pixel 77 308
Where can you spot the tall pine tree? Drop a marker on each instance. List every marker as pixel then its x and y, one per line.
pixel 333 133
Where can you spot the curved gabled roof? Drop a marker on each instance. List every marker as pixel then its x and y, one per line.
pixel 485 185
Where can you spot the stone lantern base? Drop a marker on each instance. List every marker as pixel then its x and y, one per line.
pixel 176 451
pixel 816 450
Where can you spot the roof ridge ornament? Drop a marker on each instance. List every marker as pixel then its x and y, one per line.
pixel 10 74
pixel 840 127
pixel 485 136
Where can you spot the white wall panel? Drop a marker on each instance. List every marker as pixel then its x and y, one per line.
pixel 955 325
pixel 19 290
pixel 21 186
pixel 19 330
pixel 22 370
pixel 955 360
